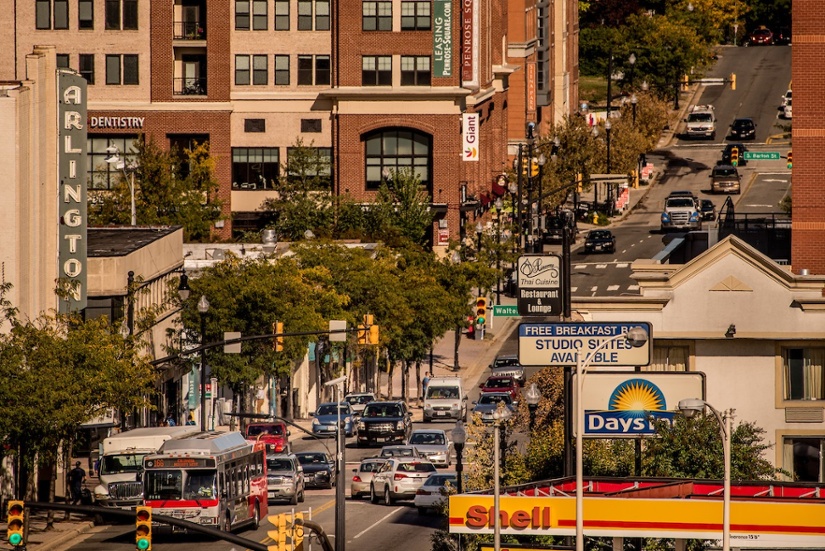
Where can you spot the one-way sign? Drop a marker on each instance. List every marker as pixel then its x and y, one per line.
pixel 539 285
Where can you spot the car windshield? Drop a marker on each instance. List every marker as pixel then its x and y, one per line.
pixel 743 124
pixel 127 463
pixel 498 383
pixel 309 458
pixel 442 392
pixel 724 171
pixel 441 480
pixel 370 466
pixel 364 399
pixel 416 467
pixel 382 410
pixel 700 117
pixel 397 452
pixel 332 409
pixel 505 362
pixel 707 204
pixel 680 202
pixel 599 235
pixel 494 399
pixel 427 438
pixel 275 464
pixel 256 430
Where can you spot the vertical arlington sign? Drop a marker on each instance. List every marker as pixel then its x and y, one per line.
pixel 71 163
pixel 442 38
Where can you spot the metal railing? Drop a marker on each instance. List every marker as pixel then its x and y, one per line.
pixel 189 30
pixel 188 86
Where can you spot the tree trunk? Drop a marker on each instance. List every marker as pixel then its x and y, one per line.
pixel 457 343
pixel 390 373
pixel 52 480
pixel 290 407
pixel 418 390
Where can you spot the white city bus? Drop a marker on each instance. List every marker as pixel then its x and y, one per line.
pixel 216 479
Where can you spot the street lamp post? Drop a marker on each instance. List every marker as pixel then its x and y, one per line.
pixel 459 435
pixel 500 416
pixel 533 396
pixel 537 248
pixel 499 206
pixel 607 127
pixel 115 159
pixel 690 407
pixel 340 465
pixel 635 337
pixel 203 308
pixel 633 101
pixel 595 133
pixel 455 260
pixel 479 231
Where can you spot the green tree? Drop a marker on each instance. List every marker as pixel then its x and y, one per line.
pixel 401 212
pixel 164 194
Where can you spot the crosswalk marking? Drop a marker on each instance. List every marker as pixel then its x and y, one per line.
pixel 612 287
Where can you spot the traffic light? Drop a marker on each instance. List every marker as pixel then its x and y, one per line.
pixel 733 81
pixel 635 175
pixel 790 159
pixel 579 180
pixel 15 517
pixel 534 167
pixel 685 82
pixel 481 310
pixel 363 334
pixel 734 156
pixel 143 528
pixel 279 534
pixel 288 534
pixel 373 336
pixel 278 329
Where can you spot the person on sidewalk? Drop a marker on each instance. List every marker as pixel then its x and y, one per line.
pixel 77 477
pixel 424 384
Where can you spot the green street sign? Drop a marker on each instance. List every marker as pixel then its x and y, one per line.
pixel 762 156
pixel 505 310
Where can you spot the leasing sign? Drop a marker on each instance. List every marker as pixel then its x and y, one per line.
pixel 442 38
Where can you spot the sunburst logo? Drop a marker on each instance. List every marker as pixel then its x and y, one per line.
pixel 631 409
pixel 637 396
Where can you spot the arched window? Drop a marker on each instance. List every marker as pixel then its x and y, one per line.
pixel 388 151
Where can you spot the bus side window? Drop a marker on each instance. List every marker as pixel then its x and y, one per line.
pixel 222 484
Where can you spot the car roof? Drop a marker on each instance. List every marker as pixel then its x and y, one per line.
pixel 742 119
pixel 680 192
pixel 436 430
pixel 359 394
pixel 720 168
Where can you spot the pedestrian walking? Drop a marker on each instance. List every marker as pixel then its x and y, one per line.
pixel 260 398
pixel 77 477
pixel 424 384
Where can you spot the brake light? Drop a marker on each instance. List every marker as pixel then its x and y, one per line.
pixel 356 478
pixel 421 492
pixel 399 476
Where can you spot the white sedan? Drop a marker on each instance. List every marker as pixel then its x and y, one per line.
pixel 432 495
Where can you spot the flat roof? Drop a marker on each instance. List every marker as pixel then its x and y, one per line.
pixel 123 240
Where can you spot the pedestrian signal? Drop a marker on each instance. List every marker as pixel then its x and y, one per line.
pixel 15 517
pixel 143 528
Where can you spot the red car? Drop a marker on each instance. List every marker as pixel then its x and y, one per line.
pixel 274 434
pixel 762 37
pixel 501 383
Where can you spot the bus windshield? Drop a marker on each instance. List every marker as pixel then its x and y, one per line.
pixel 125 463
pixel 168 484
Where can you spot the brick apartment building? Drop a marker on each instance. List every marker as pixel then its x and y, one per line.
pixel 376 85
pixel 808 226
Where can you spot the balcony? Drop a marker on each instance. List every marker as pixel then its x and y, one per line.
pixel 189 86
pixel 190 30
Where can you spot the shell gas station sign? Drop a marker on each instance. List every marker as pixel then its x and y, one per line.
pixel 754 524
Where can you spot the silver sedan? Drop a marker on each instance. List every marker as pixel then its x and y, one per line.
pixel 362 477
pixel 434 445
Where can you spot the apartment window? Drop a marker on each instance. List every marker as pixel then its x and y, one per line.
pixel 281 15
pixel 254 167
pixel 241 15
pixel 669 358
pixel 415 16
pixel 121 15
pixel 376 70
pixel 85 14
pixel 803 457
pixel 122 69
pixel 304 15
pixel 102 175
pixel 242 74
pixel 313 70
pixel 315 165
pixel 259 15
pixel 415 71
pixel 282 70
pixel 260 70
pixel 376 16
pixel 86 67
pixel 397 149
pixel 310 125
pixel 62 61
pixel 51 14
pixel 321 15
pixel 254 125
pixel 803 373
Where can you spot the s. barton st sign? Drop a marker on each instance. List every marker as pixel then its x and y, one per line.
pixel 71 162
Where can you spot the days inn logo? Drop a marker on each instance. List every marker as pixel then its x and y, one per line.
pixel 631 409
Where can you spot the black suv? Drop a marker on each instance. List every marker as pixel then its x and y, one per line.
pixel 743 129
pixel 384 422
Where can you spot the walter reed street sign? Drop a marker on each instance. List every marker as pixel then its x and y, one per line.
pixel 539 285
pixel 558 344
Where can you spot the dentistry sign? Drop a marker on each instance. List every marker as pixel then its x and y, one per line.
pixel 627 404
pixel 71 163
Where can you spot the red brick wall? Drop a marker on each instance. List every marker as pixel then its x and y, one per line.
pixel 158 124
pixel 808 230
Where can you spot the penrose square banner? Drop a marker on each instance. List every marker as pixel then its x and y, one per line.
pixel 442 38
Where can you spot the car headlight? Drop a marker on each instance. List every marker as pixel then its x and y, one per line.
pixel 361 425
pixel 315 422
pixel 399 424
pixel 694 217
pixel 665 217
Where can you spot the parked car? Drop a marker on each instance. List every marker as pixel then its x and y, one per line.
pixel 399 450
pixel 325 419
pixel 728 152
pixel 358 401
pixel 501 384
pixel 432 495
pixel 708 210
pixel 272 433
pixel 488 402
pixel 384 422
pixel 787 111
pixel 762 36
pixel 319 469
pixel 742 129
pixel 600 241
pixel 786 97
pixel 782 37
pixel 399 478
pixel 284 478
pixel 362 477
pixel 508 364
pixel 434 445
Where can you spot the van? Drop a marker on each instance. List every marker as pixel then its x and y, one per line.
pixel 445 399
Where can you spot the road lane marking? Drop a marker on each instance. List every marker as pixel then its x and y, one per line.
pixel 612 288
pixel 601 266
pixel 632 287
pixel 376 523
pixel 622 265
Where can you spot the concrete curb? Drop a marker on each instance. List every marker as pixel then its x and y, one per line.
pixel 65 537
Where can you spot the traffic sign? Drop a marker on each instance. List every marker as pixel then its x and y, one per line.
pixel 505 310
pixel 559 344
pixel 762 156
pixel 539 285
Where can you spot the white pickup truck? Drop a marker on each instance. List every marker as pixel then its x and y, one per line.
pixel 681 213
pixel 701 122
